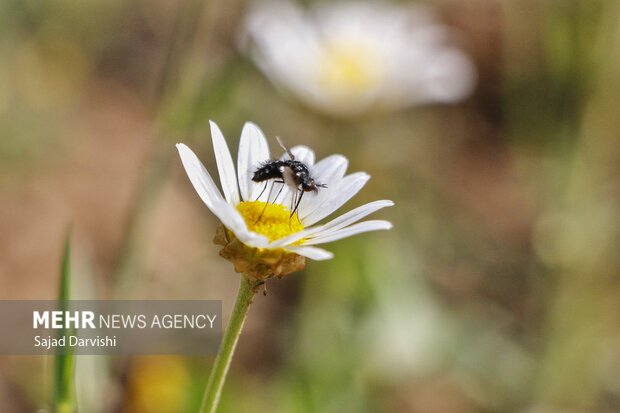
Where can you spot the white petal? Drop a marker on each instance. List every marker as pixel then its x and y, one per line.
pixel 199 177
pixel 287 45
pixel 330 168
pixel 291 239
pixel 351 230
pixel 450 77
pixel 328 171
pixel 313 253
pixel 232 219
pixel 208 192
pixel 225 165
pixel 342 221
pixel 335 197
pixel 253 149
pixel 303 154
pixel 349 218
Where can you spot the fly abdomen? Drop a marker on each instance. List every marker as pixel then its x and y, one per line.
pixel 270 170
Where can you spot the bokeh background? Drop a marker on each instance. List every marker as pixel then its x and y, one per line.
pixel 497 290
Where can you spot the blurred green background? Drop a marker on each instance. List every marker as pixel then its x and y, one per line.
pixel 496 291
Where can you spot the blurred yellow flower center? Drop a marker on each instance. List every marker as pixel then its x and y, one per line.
pixel 271 220
pixel 350 67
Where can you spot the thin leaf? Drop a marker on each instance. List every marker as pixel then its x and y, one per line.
pixel 64 360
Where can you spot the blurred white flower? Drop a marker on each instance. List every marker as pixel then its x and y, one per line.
pixel 261 236
pixel 346 58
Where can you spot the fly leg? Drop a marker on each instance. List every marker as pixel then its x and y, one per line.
pixel 280 191
pixel 266 203
pixel 269 197
pixel 261 192
pixel 296 201
pixel 301 195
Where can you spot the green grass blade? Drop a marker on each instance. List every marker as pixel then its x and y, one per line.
pixel 64 362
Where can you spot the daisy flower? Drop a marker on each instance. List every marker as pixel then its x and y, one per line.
pixel 346 58
pixel 259 233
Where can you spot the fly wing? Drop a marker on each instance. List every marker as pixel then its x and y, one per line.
pixel 290 154
pixel 290 177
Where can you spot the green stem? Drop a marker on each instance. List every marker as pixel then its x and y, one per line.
pixel 211 398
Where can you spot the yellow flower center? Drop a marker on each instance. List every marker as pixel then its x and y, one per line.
pixel 271 220
pixel 349 67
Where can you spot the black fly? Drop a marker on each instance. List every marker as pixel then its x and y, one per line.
pixel 291 172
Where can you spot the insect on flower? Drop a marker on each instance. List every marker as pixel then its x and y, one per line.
pixel 277 244
pixel 291 172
